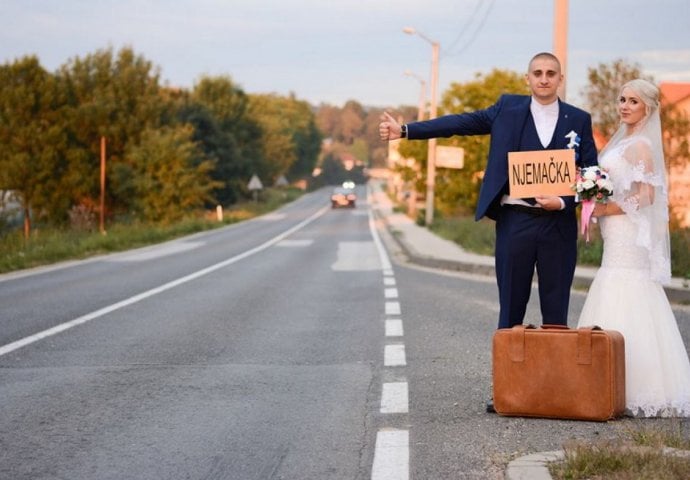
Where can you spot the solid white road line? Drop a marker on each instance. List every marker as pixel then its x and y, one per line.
pixel 394 398
pixel 391 455
pixel 385 261
pixel 392 308
pixel 10 347
pixel 394 356
pixel 394 328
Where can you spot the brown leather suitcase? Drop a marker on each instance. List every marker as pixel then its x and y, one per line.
pixel 558 372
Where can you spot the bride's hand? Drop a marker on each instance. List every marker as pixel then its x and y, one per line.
pixel 599 210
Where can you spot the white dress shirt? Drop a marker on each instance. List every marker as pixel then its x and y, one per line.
pixel 545 118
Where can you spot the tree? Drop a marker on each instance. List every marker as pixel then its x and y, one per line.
pixel 236 146
pixel 31 138
pixel 171 176
pixel 351 122
pixel 291 141
pixel 116 96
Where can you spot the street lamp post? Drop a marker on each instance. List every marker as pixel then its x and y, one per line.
pixel 431 155
pixel 422 95
pixel 560 40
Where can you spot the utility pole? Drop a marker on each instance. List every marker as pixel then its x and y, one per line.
pixel 431 154
pixel 560 40
pixel 101 224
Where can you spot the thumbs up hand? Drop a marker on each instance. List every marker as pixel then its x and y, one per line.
pixel 389 128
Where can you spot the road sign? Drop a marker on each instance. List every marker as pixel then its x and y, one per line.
pixel 450 157
pixel 282 181
pixel 255 183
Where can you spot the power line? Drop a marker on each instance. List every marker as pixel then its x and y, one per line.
pixel 464 28
pixel 469 42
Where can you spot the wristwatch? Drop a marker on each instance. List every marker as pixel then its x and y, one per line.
pixel 403 131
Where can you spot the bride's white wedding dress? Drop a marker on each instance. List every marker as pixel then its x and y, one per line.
pixel 624 297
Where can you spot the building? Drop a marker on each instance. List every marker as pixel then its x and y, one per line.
pixel 678 94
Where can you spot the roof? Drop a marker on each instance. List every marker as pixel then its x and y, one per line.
pixel 674 92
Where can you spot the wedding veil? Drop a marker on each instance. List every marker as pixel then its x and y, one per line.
pixel 642 193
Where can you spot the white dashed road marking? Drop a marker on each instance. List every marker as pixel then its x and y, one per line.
pixel 392 450
pixel 394 356
pixel 392 308
pixel 394 398
pixel 391 293
pixel 394 328
pixel 391 457
pixel 294 243
pixel 357 256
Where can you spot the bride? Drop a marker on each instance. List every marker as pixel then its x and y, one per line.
pixel 627 293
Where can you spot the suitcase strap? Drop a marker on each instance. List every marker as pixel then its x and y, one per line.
pixel 584 341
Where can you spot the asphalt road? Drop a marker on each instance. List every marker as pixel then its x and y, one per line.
pixel 284 347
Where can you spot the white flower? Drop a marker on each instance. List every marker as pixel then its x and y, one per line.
pixel 589 174
pixel 588 184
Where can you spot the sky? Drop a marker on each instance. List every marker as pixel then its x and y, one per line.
pixel 332 51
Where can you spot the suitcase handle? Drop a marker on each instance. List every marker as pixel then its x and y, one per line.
pixel 551 326
pixel 584 342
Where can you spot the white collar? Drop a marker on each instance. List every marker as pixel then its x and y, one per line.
pixel 551 108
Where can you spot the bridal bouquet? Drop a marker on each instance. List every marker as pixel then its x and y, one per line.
pixel 592 184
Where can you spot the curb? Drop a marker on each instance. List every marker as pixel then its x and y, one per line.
pixel 676 294
pixel 533 466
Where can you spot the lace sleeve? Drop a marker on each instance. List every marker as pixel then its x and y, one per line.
pixel 638 189
pixel 642 194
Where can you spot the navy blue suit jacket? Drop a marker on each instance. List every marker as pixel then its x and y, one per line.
pixel 505 121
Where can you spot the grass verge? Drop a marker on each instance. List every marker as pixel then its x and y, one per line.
pixel 480 237
pixel 51 245
pixel 637 454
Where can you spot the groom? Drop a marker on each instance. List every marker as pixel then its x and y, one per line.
pixel 541 232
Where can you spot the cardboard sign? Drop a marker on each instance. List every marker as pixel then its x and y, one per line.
pixel 541 172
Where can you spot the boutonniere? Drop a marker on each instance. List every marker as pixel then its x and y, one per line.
pixel 574 139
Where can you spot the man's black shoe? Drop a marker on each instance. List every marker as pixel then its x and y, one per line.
pixel 490 407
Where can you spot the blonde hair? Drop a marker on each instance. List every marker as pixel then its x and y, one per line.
pixel 648 92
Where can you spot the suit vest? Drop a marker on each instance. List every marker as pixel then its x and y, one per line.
pixel 529 139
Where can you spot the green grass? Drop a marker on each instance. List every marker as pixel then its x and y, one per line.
pixel 637 454
pixel 478 237
pixel 51 245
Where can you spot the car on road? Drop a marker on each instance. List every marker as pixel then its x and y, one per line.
pixel 343 197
